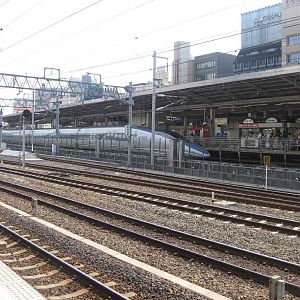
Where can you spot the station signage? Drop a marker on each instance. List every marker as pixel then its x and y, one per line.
pixel 248 123
pixel 221 121
pixel 267 160
pixel 271 120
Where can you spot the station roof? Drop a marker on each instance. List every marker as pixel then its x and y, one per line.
pixel 272 87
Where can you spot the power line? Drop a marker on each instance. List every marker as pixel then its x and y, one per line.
pixel 131 73
pixel 110 63
pixel 77 33
pixel 22 14
pixel 230 35
pixel 147 34
pixel 101 22
pixel 193 19
pixel 180 23
pixel 51 25
pixel 5 2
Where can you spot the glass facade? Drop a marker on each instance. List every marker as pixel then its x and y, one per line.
pixel 294 58
pixel 294 40
pixel 206 76
pixel 261 26
pixel 258 58
pixel 206 65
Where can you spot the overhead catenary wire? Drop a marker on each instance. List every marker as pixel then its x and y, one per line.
pixel 22 14
pixel 4 2
pixel 51 25
pixel 183 22
pixel 101 22
pixel 83 30
pixel 148 54
pixel 187 62
pixel 167 50
pixel 162 29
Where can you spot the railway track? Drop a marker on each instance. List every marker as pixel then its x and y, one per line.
pixel 50 274
pixel 189 186
pixel 213 253
pixel 192 182
pixel 274 224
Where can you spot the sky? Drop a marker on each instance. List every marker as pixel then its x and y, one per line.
pixel 109 37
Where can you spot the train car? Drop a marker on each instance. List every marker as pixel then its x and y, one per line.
pixel 108 138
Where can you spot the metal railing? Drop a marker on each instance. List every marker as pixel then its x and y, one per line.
pixel 274 144
pixel 278 178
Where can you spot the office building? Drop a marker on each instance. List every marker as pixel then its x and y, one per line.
pixel 182 67
pixel 213 65
pixel 261 40
pixel 291 33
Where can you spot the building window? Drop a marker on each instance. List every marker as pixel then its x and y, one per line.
pixel 278 60
pixel 252 53
pixel 269 50
pixel 262 62
pixel 206 65
pixel 294 58
pixel 253 63
pixel 206 76
pixel 294 40
pixel 200 77
pixel 246 64
pixel 210 76
pixel 270 61
pixel 238 66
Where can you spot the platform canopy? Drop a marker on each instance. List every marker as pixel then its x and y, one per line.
pixel 276 87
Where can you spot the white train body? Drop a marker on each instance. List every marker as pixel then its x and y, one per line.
pixel 107 138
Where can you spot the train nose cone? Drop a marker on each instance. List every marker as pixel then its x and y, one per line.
pixel 206 154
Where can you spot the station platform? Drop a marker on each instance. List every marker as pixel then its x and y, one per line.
pixel 18 154
pixel 13 287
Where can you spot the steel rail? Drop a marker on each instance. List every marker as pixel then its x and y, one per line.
pixel 193 238
pixel 191 207
pixel 83 277
pixel 203 191
pixel 175 178
pixel 228 267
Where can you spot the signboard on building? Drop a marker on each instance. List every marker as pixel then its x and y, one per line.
pixel 291 2
pixel 221 121
pixel 248 123
pixel 254 125
pixel 271 120
pixel 262 26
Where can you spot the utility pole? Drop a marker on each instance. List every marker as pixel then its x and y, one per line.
pixel 154 105
pixel 130 104
pixel 23 142
pixel 32 122
pixel 153 109
pixel 57 103
pixel 1 114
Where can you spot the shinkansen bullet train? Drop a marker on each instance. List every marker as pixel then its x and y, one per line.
pixel 105 138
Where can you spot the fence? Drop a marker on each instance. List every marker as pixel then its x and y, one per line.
pixel 274 144
pixel 278 178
